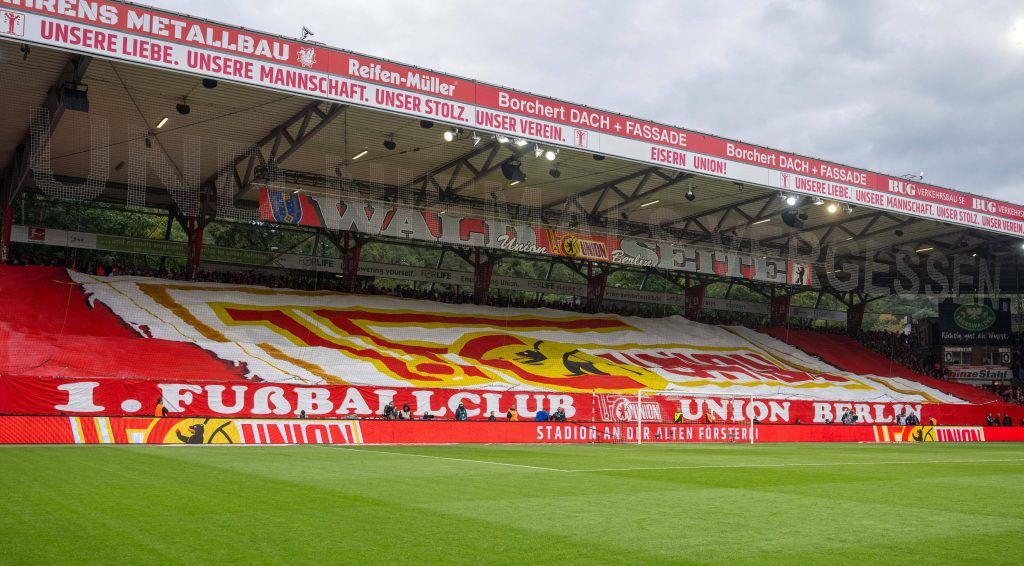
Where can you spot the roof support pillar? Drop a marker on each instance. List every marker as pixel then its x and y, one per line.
pixel 5 234
pixel 195 247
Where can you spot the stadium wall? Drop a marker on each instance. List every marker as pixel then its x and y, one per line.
pixel 151 430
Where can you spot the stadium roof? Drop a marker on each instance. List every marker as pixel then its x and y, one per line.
pixel 310 110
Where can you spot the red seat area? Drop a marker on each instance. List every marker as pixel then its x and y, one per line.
pixel 849 355
pixel 48 328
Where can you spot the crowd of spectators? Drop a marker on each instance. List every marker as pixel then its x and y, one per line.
pixel 902 349
pixel 281 279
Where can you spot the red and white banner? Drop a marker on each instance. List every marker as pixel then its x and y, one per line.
pixel 127 397
pixel 407 223
pixel 171 41
pixel 150 430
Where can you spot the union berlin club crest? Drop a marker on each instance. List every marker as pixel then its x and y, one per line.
pixel 286 207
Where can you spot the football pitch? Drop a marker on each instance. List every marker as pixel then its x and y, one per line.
pixel 500 504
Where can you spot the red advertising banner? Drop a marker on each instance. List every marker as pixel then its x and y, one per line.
pixel 233 399
pixel 195 431
pixel 171 41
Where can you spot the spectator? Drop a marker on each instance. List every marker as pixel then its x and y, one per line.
pixel 512 414
pixel 390 412
pixel 491 417
pixel 559 415
pixel 405 414
pixel 541 416
pixel 1007 420
pixel 460 413
pixel 427 416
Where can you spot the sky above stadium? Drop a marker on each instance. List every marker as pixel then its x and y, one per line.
pixel 895 87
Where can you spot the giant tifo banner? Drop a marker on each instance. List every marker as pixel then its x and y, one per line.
pixel 425 225
pixel 104 430
pixel 233 399
pixel 319 338
pixel 166 40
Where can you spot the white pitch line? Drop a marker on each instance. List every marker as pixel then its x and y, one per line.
pixel 798 465
pixel 448 458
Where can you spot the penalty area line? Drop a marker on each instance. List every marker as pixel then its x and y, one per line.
pixel 799 465
pixel 446 458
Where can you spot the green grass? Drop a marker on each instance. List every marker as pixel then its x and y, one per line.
pixel 619 504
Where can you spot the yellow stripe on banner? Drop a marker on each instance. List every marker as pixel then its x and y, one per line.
pixel 727 385
pixel 887 384
pixel 160 295
pixel 278 368
pixel 76 430
pixel 132 300
pixel 310 367
pixel 103 432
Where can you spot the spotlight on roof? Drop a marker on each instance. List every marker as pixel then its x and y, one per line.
pixel 512 170
pixel 209 83
pixel 849 209
pixel 802 216
pixel 360 154
pixel 832 208
pixel 476 139
pixel 646 204
pixel 818 202
pixel 555 172
pixel 598 157
pixel 789 218
pixel 163 122
pixel 898 233
pixel 501 139
pixel 75 97
pixel 538 151
pixel 551 154
pixel 389 144
pixel 450 135
pixel 689 194
pixel 791 200
pixel 183 108
pixel 426 124
pixel 520 142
